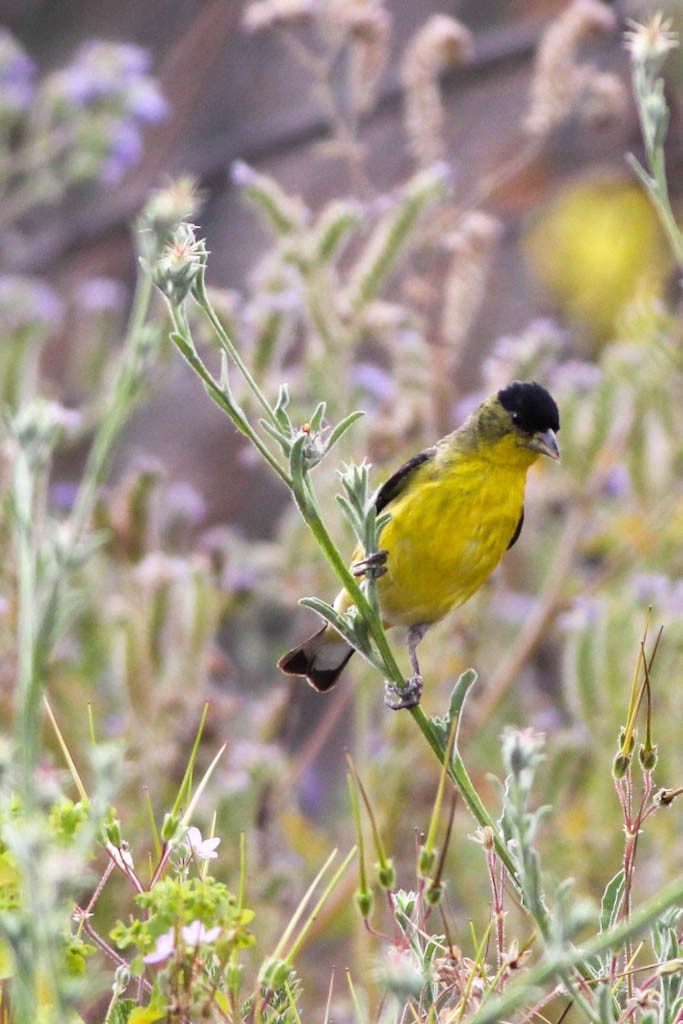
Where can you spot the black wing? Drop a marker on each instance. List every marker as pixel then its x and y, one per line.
pixel 397 483
pixel 518 530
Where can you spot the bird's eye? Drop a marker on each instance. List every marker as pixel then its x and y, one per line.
pixel 516 417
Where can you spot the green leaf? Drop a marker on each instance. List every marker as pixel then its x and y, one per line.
pixel 146 1015
pixel 8 967
pixel 382 521
pixel 612 900
pixel 351 516
pixel 441 724
pixel 9 872
pixel 282 438
pixel 280 410
pixel 317 417
pixel 342 427
pixel 185 346
pixel 460 691
pixel 296 468
pixel 121 1011
pixel 316 604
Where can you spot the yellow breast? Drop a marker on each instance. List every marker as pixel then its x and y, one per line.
pixel 446 536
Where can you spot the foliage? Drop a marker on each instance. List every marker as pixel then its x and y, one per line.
pixel 107 908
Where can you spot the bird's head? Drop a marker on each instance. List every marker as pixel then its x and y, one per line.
pixel 521 422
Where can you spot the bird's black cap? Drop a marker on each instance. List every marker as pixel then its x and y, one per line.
pixel 532 408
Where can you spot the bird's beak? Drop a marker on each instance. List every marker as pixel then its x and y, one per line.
pixel 545 442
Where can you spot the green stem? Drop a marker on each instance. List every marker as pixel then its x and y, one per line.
pixel 503 1007
pixel 204 303
pixel 456 770
pixel 308 506
pixel 655 182
pixel 459 776
pixel 29 683
pixel 125 391
pixel 192 358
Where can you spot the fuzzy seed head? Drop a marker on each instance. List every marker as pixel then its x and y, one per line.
pixel 442 42
pixel 649 44
pixel 559 82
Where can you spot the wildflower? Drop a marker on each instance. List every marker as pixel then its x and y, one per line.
pixel 180 264
pixel 103 71
pixel 16 76
pixel 195 933
pixel 205 849
pixel 28 304
pixel 650 43
pixel 374 380
pixel 125 150
pixel 163 949
pixel 100 294
pixel 101 101
pixel 165 211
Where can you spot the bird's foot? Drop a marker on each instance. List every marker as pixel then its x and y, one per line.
pixel 373 565
pixel 408 696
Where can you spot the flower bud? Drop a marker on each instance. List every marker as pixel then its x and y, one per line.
pixel 364 902
pixel 112 832
pixel 386 875
pixel 274 973
pixel 166 210
pixel 169 827
pixel 621 765
pixel 121 978
pixel 426 861
pixel 180 264
pixel 434 894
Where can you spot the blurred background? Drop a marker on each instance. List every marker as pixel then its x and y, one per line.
pixel 235 94
pixel 490 138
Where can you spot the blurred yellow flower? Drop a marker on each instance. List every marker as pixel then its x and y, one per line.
pixel 599 250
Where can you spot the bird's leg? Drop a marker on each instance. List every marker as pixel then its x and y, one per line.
pixel 373 566
pixel 408 696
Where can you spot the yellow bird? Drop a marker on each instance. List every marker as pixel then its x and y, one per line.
pixel 455 509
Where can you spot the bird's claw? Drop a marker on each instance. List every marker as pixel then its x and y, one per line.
pixel 396 698
pixel 373 565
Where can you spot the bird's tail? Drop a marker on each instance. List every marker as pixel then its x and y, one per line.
pixel 321 659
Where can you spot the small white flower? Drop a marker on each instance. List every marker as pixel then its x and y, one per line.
pixel 652 41
pixel 205 849
pixel 195 933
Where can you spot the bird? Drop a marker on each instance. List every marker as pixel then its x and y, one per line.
pixel 455 509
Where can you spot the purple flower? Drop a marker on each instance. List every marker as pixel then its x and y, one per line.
pixel 132 59
pixel 63 494
pixel 109 95
pixel 103 70
pixel 165 946
pixel 665 593
pixel 375 380
pixel 184 504
pixel 27 302
pixel 617 483
pixel 577 376
pixel 100 294
pixel 125 151
pixel 16 75
pixel 195 933
pixel 205 849
pixel 145 101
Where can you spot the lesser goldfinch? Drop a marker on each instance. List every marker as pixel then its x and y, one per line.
pixel 455 509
